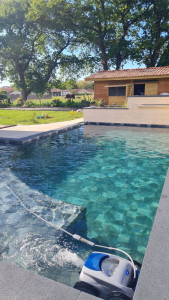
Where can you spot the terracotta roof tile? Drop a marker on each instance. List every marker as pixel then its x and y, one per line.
pixel 130 73
pixel 55 90
pixel 8 89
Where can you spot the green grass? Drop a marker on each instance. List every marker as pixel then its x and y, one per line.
pixel 14 117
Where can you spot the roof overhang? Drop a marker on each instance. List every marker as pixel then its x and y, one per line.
pixel 127 78
pixel 117 85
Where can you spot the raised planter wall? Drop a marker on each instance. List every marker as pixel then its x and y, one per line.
pixel 150 110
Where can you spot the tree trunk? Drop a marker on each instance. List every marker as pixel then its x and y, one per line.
pixel 24 95
pixel 104 55
pixel 24 92
pixel 119 60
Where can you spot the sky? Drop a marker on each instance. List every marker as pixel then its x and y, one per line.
pixel 128 65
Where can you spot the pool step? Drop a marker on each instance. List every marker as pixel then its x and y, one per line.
pixel 53 210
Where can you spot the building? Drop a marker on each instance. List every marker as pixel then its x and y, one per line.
pixel 63 93
pixel 115 86
pixel 56 92
pixel 7 89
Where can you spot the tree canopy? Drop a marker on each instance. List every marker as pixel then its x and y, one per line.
pixel 33 38
pixel 41 38
pixel 152 42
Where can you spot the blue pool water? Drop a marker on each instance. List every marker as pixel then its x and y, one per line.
pixel 117 174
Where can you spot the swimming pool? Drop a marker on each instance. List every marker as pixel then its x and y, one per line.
pixel 116 173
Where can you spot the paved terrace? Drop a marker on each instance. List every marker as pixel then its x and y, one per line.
pixel 22 134
pixel 19 284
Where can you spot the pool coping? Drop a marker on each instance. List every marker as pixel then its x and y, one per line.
pixel 154 276
pixel 19 284
pixel 29 136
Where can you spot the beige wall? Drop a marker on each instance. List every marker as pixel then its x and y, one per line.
pixel 140 110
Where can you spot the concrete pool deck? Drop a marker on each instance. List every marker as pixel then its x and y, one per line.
pixel 19 284
pixel 22 134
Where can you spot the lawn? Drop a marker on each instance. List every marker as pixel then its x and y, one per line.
pixel 13 117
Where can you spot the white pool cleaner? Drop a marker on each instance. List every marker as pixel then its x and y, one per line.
pixel 104 275
pixel 108 276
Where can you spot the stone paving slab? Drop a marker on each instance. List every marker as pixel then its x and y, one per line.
pixel 26 133
pixel 19 284
pixel 6 126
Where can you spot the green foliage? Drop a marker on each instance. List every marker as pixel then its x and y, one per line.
pixel 107 27
pixel 57 103
pixel 41 39
pixel 153 44
pixel 164 59
pixel 99 102
pixel 29 103
pixel 70 103
pixel 82 84
pixel 46 104
pixel 66 84
pixel 4 100
pixel 33 38
pixel 3 95
pixel 18 102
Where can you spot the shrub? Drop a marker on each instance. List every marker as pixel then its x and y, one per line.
pixel 57 103
pixel 69 103
pixel 4 100
pixel 29 103
pixel 3 95
pixel 5 103
pixel 85 103
pixel 99 102
pixel 19 101
pixel 46 104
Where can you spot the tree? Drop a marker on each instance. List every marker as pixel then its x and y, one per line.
pixel 33 38
pixel 164 58
pixel 18 44
pixel 66 84
pixel 81 84
pixel 107 28
pixel 153 39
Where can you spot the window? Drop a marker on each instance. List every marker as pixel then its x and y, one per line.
pixel 117 91
pixel 139 89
